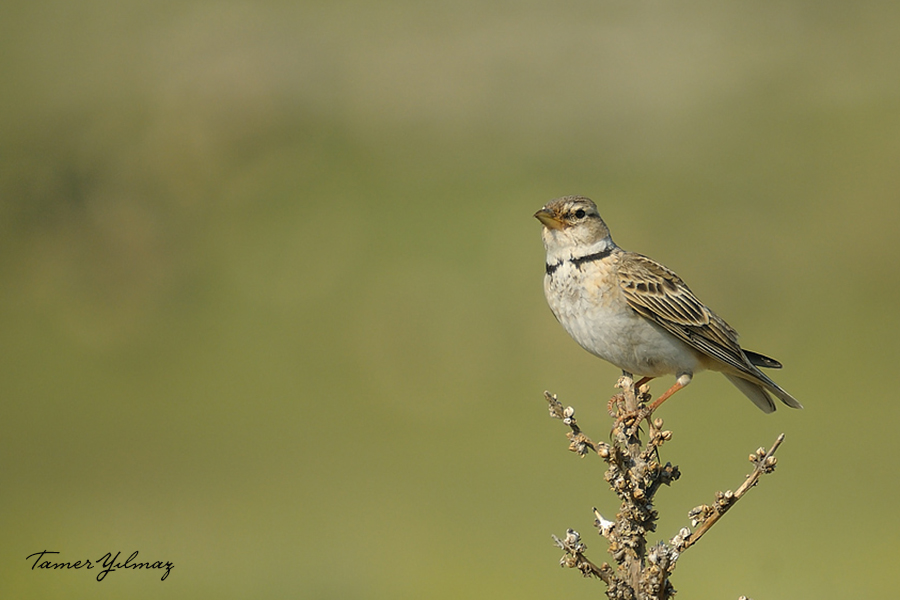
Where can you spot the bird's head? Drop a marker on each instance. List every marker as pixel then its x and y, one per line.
pixel 571 221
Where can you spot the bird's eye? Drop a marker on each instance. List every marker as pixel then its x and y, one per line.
pixel 579 214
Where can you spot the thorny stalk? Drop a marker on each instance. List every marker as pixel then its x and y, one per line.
pixel 635 474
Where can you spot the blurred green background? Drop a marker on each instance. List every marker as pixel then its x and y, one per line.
pixel 271 300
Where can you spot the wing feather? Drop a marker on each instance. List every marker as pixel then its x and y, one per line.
pixel 658 294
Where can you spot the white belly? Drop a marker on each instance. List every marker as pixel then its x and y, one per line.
pixel 612 330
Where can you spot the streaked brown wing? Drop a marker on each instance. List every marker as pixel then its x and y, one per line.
pixel 660 295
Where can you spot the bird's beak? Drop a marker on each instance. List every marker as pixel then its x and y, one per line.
pixel 548 219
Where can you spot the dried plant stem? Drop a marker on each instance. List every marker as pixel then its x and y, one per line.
pixel 635 474
pixel 765 463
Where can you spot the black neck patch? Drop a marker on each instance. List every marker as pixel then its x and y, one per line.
pixel 580 260
pixel 591 257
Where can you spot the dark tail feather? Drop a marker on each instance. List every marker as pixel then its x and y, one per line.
pixel 761 360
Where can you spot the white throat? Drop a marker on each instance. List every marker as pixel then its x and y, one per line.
pixel 559 252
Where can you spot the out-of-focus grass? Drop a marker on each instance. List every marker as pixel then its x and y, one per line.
pixel 271 301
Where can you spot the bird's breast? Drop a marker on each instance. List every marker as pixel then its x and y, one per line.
pixel 587 301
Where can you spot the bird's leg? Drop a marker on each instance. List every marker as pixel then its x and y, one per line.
pixel 643 380
pixel 681 382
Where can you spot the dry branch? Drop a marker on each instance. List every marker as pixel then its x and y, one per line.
pixel 635 473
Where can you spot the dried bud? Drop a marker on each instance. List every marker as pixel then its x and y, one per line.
pixel 700 514
pixel 638 493
pixel 603 450
pixel 680 540
pixel 579 446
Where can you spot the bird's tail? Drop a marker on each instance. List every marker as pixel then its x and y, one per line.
pixel 761 392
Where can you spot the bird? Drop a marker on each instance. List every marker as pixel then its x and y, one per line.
pixel 637 314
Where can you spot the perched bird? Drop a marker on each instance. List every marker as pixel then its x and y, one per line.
pixel 635 313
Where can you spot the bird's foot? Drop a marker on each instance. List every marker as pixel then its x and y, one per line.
pixel 629 421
